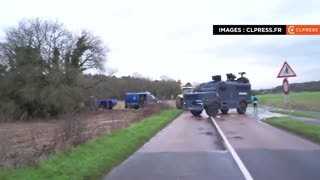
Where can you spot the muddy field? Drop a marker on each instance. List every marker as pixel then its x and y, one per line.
pixel 24 143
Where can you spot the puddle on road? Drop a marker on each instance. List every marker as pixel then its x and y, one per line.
pixel 206 131
pixel 237 137
pixel 219 143
pixel 209 133
pixel 200 128
pixel 231 132
pixel 263 113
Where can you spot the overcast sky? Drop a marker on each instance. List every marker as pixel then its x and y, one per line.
pixel 175 38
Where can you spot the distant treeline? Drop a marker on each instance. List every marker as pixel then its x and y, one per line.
pixel 294 87
pixel 42 71
pixel 104 87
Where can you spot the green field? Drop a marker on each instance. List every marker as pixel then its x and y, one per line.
pixel 95 158
pixel 300 101
pixel 308 130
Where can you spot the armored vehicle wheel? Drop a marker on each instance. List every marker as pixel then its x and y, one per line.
pixel 195 113
pixel 243 108
pixel 224 111
pixel 212 110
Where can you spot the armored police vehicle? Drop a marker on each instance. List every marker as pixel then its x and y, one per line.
pixel 234 93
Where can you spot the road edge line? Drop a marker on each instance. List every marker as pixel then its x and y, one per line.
pixel 235 156
pixel 263 123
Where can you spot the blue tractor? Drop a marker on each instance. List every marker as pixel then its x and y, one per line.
pixel 234 93
pixel 139 99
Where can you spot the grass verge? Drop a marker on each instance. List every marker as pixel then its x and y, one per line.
pixel 298 114
pixel 303 101
pixel 95 158
pixel 304 129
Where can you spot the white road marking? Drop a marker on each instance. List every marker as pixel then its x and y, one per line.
pixel 235 156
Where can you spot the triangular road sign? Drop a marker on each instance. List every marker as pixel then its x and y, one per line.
pixel 286 71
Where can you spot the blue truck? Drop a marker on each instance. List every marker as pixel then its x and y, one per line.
pixel 215 95
pixel 107 103
pixel 139 99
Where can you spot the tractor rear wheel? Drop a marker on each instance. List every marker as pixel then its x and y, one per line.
pixel 224 111
pixel 212 110
pixel 243 108
pixel 179 103
pixel 195 113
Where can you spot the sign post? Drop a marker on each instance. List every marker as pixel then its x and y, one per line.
pixel 285 72
pixel 286 90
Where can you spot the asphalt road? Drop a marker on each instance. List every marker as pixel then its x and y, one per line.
pixel 268 152
pixel 188 149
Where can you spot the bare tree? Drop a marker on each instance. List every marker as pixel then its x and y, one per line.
pixel 111 71
pixel 58 47
pixel 42 64
pixel 50 39
pixel 89 52
pixel 166 78
pixel 137 75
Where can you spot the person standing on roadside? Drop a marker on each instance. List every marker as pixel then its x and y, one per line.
pixel 255 102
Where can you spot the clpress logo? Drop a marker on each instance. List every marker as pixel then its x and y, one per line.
pixel 303 29
pixel 291 29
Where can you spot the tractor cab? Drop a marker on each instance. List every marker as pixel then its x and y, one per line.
pixel 185 89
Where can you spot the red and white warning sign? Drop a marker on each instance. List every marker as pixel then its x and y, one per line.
pixel 286 71
pixel 286 88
